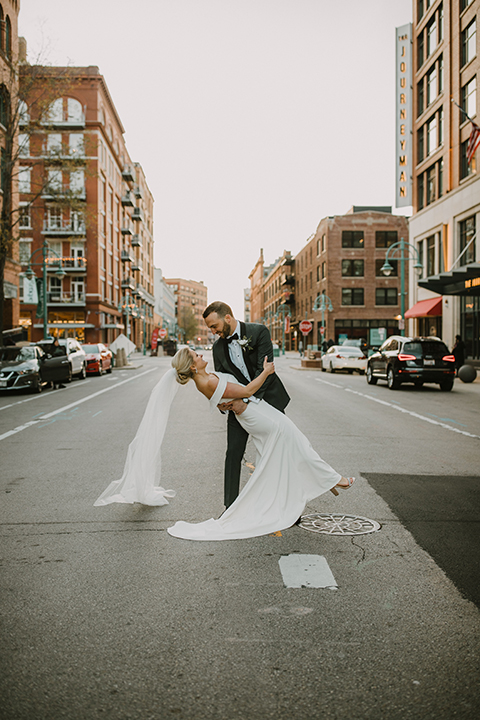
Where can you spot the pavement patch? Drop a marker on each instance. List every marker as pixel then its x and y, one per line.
pixel 308 571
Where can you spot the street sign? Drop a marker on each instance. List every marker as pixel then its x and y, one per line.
pixel 163 333
pixel 305 327
pixel 322 331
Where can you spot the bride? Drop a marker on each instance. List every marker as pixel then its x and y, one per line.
pixel 288 472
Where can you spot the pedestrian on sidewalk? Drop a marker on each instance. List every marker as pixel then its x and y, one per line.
pixel 459 353
pixel 56 350
pixel 300 348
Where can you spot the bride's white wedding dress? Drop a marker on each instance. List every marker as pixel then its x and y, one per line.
pixel 288 474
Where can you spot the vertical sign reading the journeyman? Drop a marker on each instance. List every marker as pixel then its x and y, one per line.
pixel 403 120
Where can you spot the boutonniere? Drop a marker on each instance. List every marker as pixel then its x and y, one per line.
pixel 245 343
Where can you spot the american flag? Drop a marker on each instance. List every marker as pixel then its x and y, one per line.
pixel 473 142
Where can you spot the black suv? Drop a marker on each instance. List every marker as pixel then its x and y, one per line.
pixel 415 360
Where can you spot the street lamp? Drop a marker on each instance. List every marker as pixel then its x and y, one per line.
pixel 285 310
pixel 60 273
pixel 387 268
pixel 322 303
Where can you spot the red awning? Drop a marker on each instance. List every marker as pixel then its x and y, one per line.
pixel 425 308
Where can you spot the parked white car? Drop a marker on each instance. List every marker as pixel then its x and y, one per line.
pixel 75 354
pixel 344 357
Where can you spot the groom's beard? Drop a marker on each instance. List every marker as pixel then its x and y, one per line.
pixel 226 330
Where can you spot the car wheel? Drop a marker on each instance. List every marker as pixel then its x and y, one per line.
pixel 38 387
pixel 446 385
pixel 332 369
pixel 371 380
pixel 82 374
pixel 68 379
pixel 392 380
pixel 100 370
pixel 109 369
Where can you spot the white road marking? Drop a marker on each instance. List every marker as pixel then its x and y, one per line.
pixel 404 410
pixel 47 416
pixel 37 397
pixel 306 571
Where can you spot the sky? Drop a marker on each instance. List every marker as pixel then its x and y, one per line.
pixel 252 119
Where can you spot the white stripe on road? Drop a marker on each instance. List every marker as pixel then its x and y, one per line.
pixel 306 571
pixel 36 397
pixel 47 416
pixel 404 410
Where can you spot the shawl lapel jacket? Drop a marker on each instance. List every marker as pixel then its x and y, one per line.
pixel 258 346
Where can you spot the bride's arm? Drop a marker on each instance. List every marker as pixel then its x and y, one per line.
pixel 234 391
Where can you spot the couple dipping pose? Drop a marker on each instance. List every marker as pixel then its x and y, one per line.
pixel 288 472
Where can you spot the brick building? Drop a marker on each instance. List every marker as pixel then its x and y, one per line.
pixel 446 187
pixel 190 296
pixel 343 260
pixel 9 58
pixel 87 207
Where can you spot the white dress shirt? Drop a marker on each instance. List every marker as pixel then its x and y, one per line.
pixel 237 357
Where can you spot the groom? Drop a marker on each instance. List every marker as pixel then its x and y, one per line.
pixel 239 351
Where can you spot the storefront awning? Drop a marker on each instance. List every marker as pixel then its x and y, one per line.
pixel 425 308
pixel 464 280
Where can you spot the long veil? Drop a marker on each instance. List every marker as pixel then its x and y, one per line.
pixel 143 463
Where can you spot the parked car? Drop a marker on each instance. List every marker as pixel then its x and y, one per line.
pixel 75 354
pixel 344 357
pixel 416 360
pixel 99 358
pixel 23 368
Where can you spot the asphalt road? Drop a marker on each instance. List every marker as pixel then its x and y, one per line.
pixel 104 615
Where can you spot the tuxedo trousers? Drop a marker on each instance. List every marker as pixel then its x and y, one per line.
pixel 236 443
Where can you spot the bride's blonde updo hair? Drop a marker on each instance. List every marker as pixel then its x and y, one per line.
pixel 182 362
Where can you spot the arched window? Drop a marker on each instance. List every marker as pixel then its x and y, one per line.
pixel 8 37
pixel 23 116
pixel 74 111
pixel 2 32
pixel 65 110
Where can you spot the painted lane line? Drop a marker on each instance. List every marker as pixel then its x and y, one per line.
pixel 47 416
pixel 306 571
pixel 326 382
pixel 407 412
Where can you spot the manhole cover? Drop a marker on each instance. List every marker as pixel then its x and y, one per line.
pixel 338 524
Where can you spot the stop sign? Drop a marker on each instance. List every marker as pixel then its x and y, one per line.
pixel 305 327
pixel 163 333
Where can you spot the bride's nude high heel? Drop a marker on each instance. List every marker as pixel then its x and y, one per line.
pixel 350 481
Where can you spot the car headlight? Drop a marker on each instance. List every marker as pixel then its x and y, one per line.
pixel 24 372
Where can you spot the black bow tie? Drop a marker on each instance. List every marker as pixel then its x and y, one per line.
pixel 232 337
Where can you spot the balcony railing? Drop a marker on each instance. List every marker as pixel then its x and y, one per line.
pixel 137 191
pixel 128 283
pixel 127 200
pixel 137 265
pixel 136 241
pixel 126 256
pixel 127 230
pixel 79 264
pixel 137 214
pixel 61 298
pixel 59 226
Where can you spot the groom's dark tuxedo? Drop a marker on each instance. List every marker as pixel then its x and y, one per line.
pixel 256 344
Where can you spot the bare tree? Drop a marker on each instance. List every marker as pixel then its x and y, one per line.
pixel 188 322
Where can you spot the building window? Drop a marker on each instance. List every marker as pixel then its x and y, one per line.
pixel 432 137
pixel 420 193
pixel 469 99
pixel 353 268
pixel 352 296
pixel 25 251
pixel 379 263
pixel 464 4
pixel 432 85
pixel 8 38
pixel 467 233
pixel 420 97
pixel 420 144
pixel 24 217
pixel 24 180
pixel 440 74
pixel 466 169
pixel 431 184
pixel 420 9
pixel 323 243
pixel 318 247
pixel 54 144
pixel 77 182
pixel 324 270
pixel 440 177
pixel 431 35
pixel 420 50
pixel 353 239
pixel 431 255
pixel 24 145
pixel 469 39
pixel 54 218
pixel 386 296
pixel 385 238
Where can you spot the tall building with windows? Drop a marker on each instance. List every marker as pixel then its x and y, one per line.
pixel 446 186
pixel 86 208
pixel 190 302
pixel 9 58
